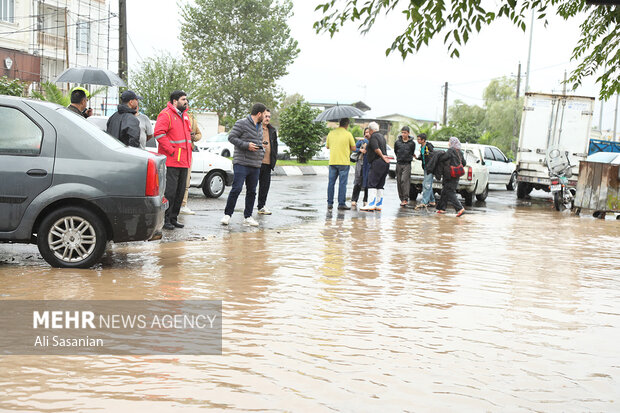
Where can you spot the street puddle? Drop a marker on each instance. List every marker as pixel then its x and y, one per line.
pixel 491 311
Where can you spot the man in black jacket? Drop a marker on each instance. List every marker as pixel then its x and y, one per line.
pixel 124 125
pixel 404 148
pixel 270 143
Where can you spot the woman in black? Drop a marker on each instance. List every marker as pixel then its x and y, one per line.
pixel 452 157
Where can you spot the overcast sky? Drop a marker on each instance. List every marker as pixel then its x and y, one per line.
pixel 352 67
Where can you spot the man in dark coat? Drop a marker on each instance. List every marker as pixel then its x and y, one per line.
pixel 452 157
pixel 270 144
pixel 124 125
pixel 404 148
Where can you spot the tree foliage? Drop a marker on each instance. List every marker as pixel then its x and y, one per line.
pixel 299 130
pixel 11 87
pixel 238 50
pixel 52 93
pixel 156 77
pixel 457 20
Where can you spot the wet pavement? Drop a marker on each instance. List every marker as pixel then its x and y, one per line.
pixel 512 307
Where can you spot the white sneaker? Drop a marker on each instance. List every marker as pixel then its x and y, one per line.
pixel 225 220
pixel 250 222
pixel 264 211
pixel 185 210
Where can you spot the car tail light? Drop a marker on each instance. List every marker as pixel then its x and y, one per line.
pixel 152 179
pixel 555 182
pixel 470 174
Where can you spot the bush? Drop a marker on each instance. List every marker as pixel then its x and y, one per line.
pixel 11 87
pixel 299 131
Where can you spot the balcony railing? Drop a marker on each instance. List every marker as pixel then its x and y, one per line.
pixel 51 40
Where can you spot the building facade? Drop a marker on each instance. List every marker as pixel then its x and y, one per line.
pixel 41 38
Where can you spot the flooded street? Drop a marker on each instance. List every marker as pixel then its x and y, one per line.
pixel 512 307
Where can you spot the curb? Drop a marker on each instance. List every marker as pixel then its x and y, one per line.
pixel 304 170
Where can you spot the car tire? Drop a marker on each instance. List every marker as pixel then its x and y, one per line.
pixel 413 192
pixel 226 153
pixel 523 189
pixel 213 185
pixel 510 186
pixel 72 237
pixel 484 194
pixel 469 198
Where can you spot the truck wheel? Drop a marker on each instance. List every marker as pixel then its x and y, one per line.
pixel 469 198
pixel 72 237
pixel 413 192
pixel 523 190
pixel 484 194
pixel 213 185
pixel 510 186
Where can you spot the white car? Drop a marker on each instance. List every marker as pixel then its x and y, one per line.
pixel 210 172
pixel 475 182
pixel 217 144
pixel 502 170
pixel 392 157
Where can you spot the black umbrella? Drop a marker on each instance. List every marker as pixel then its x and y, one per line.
pixel 338 112
pixel 90 76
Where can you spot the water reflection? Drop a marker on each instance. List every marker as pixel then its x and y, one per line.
pixel 493 311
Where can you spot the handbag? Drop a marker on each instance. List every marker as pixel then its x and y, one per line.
pixel 457 171
pixel 354 156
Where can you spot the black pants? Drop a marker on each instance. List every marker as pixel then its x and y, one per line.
pixel 378 172
pixel 448 195
pixel 264 182
pixel 176 180
pixel 357 188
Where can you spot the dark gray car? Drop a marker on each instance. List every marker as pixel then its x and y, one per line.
pixel 70 188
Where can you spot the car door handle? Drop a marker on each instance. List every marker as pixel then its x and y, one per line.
pixel 37 172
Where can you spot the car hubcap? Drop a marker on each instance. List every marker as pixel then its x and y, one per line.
pixel 217 184
pixel 72 239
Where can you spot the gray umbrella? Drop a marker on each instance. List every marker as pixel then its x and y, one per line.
pixel 91 76
pixel 338 112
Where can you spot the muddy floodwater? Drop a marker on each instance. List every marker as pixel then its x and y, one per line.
pixel 509 310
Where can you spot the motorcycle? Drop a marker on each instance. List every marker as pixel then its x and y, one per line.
pixel 559 171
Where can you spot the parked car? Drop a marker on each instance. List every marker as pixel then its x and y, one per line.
pixel 217 144
pixel 283 151
pixel 474 182
pixel 210 172
pixel 392 157
pixel 70 188
pixel 501 169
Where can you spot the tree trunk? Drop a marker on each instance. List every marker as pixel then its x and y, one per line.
pixel 302 159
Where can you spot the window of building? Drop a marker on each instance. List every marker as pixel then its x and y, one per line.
pixel 7 10
pixel 18 134
pixel 83 37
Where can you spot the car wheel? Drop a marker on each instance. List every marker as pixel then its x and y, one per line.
pixel 413 192
pixel 392 174
pixel 226 153
pixel 523 189
pixel 72 237
pixel 214 184
pixel 510 186
pixel 484 194
pixel 469 198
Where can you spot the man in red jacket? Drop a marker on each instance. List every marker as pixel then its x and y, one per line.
pixel 173 134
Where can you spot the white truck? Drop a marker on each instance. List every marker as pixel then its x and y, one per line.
pixel 551 121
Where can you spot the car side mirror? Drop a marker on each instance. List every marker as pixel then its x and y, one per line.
pixel 509 160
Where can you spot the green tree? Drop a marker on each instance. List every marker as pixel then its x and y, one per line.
pixel 156 77
pixel 501 109
pixel 457 20
pixel 238 49
pixel 356 130
pixel 300 132
pixel 288 101
pixel 11 87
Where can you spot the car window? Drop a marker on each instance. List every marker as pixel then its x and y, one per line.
pixel 499 156
pixel 91 129
pixel 488 154
pixel 18 133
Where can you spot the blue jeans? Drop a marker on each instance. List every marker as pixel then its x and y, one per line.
pixel 250 176
pixel 427 189
pixel 340 172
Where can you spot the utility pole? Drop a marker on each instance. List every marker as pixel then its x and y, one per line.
pixel 445 104
pixel 564 84
pixel 600 119
pixel 529 56
pixel 515 131
pixel 67 42
pixel 615 119
pixel 122 39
